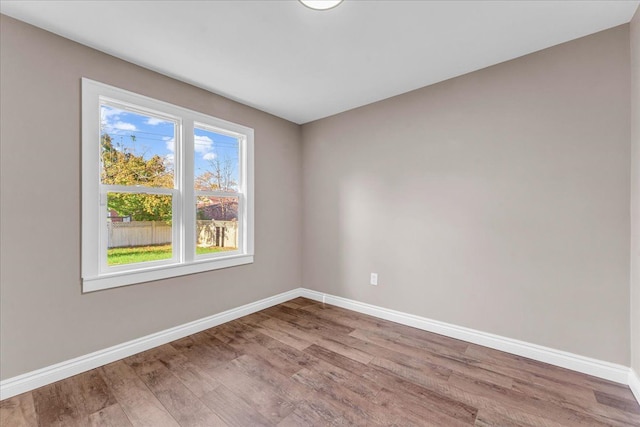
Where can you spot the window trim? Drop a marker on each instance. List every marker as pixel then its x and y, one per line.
pixel 185 261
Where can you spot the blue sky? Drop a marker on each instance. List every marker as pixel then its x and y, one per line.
pixel 154 136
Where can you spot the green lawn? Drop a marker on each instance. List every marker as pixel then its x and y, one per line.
pixel 118 256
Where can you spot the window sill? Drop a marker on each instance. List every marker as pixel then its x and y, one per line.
pixel 124 278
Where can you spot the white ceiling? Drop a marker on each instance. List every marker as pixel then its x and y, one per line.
pixel 303 65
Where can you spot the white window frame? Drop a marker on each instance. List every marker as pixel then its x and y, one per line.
pixel 96 274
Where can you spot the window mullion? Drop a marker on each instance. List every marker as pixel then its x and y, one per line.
pixel 178 198
pixel 189 199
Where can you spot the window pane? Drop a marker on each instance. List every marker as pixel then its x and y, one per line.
pixel 216 161
pixel 136 149
pixel 216 224
pixel 138 228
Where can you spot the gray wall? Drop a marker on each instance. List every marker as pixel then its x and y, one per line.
pixel 44 317
pixel 635 192
pixel 498 200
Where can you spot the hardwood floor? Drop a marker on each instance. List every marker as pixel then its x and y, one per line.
pixel 304 363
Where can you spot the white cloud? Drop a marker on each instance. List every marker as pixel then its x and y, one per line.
pixel 154 121
pixel 108 113
pixel 209 156
pixel 169 159
pixel 124 126
pixel 203 144
pixel 108 116
pixel 171 143
pixel 111 123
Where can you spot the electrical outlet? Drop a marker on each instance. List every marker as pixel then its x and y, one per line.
pixel 374 279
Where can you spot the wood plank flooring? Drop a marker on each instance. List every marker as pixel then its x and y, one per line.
pixel 304 363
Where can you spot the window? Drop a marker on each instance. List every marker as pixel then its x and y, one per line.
pixel 166 191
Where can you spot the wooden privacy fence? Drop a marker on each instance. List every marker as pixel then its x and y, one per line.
pixel 144 233
pixel 138 233
pixel 217 233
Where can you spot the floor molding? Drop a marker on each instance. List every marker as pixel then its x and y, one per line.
pixel 47 375
pixel 634 384
pixel 586 365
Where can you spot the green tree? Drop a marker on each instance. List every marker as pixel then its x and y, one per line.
pixel 121 166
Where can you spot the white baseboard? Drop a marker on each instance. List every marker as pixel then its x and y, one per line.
pixel 586 365
pixel 47 375
pixel 634 384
